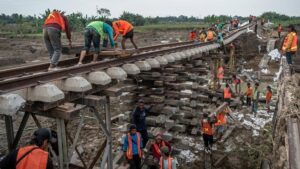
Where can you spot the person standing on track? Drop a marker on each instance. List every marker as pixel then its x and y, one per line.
pixel 94 32
pixel 54 24
pixel 290 44
pixel 207 132
pixel 124 28
pixel 210 35
pixel 34 156
pixel 193 35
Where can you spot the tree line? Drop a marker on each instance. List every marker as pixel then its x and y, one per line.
pixel 20 24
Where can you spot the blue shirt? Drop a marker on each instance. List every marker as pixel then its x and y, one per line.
pixel 135 150
pixel 109 31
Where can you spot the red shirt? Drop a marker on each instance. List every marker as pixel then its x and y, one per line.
pixel 156 148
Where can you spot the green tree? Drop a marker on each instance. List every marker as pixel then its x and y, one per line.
pixel 103 13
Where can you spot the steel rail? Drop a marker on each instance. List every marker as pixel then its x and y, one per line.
pixel 14 84
pixel 26 70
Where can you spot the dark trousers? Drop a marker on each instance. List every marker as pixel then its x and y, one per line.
pixel 208 140
pixel 228 101
pixel 135 162
pixel 289 56
pixel 144 135
pixel 248 101
pixel 91 36
pixel 279 34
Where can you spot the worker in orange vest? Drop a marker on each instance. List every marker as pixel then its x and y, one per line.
pixel 220 74
pixel 54 24
pixel 193 35
pixel 221 121
pixel 210 35
pixel 166 161
pixel 124 28
pixel 227 93
pixel 207 132
pixel 249 94
pixel 159 143
pixel 279 30
pixel 268 97
pixel 290 44
pixel 132 148
pixel 34 156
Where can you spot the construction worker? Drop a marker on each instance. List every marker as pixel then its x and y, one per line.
pixel 227 94
pixel 94 32
pixel 207 132
pixel 132 148
pixel 210 35
pixel 221 124
pixel 34 156
pixel 166 161
pixel 249 94
pixel 54 24
pixel 139 119
pixel 193 35
pixel 124 28
pixel 221 42
pixel 290 44
pixel 268 97
pixel 159 143
pixel 237 84
pixel 202 35
pixel 220 74
pixel 279 30
pixel 255 99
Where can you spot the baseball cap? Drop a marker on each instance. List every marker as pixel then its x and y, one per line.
pixel 165 149
pixel 42 134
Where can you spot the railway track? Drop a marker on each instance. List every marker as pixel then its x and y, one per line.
pixel 28 76
pixel 29 70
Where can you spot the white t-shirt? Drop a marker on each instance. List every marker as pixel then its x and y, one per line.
pixel 165 164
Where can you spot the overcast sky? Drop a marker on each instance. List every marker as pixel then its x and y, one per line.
pixel 198 8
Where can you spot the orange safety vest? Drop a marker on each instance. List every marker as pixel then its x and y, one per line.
pixel 37 159
pixel 221 119
pixel 220 73
pixel 157 148
pixel 121 27
pixel 57 18
pixel 249 92
pixel 192 36
pixel 227 93
pixel 268 96
pixel 129 149
pixel 207 128
pixel 170 159
pixel 294 40
pixel 210 35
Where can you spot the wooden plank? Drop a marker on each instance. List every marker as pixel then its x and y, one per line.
pixel 66 111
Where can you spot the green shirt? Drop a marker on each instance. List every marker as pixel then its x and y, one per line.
pixel 102 29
